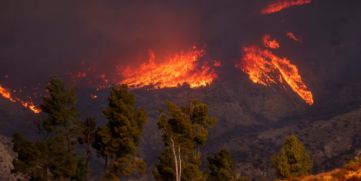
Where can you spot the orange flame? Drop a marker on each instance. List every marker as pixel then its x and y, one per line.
pixel 174 71
pixel 293 37
pixel 265 68
pixel 283 4
pixel 29 105
pixel 6 94
pixel 270 43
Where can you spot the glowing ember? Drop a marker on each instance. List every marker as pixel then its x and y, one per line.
pixel 217 63
pixel 174 71
pixel 93 96
pixel 29 105
pixel 270 43
pixel 293 37
pixel 265 68
pixel 283 4
pixel 80 75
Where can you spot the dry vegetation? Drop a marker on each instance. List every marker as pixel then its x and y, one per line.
pixel 351 172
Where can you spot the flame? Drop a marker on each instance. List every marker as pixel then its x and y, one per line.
pixel 30 106
pixel 265 68
pixel 283 4
pixel 270 43
pixel 5 93
pixel 338 174
pixel 173 71
pixel 293 37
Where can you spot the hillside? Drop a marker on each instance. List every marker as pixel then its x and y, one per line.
pixel 347 173
pixel 252 123
pixel 331 143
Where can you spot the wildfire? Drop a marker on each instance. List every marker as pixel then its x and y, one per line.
pixel 293 37
pixel 175 70
pixel 283 4
pixel 5 93
pixel 265 68
pixel 270 43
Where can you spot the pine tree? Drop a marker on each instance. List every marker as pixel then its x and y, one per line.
pixel 32 159
pixel 63 128
pixel 87 139
pixel 184 130
pixel 293 159
pixel 54 156
pixel 118 140
pixel 221 167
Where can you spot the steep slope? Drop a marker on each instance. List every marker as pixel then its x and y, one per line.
pixel 331 142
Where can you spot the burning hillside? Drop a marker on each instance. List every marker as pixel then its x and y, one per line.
pixel 280 5
pixel 6 94
pixel 180 68
pixel 265 68
pixel 340 174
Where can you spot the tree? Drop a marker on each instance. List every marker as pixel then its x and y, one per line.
pixel 356 161
pixel 221 167
pixel 32 158
pixel 54 156
pixel 184 130
pixel 62 126
pixel 118 140
pixel 293 159
pixel 87 139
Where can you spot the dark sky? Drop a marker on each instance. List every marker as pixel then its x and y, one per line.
pixel 40 38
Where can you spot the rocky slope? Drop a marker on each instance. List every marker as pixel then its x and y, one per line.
pixel 6 159
pixel 331 142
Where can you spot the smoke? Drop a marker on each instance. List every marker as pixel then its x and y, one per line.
pixel 41 38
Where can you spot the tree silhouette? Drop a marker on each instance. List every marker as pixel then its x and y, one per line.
pixel 221 167
pixel 293 159
pixel 118 140
pixel 54 157
pixel 184 130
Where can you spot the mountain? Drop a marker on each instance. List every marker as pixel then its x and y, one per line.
pixel 252 122
pixel 331 142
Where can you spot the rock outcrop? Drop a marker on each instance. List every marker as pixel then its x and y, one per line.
pixel 6 160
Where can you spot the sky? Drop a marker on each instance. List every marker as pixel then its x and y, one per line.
pixel 41 38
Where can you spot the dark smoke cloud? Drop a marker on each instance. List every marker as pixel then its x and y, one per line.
pixel 40 38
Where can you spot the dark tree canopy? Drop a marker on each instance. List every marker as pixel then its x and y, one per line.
pixel 118 140
pixel 293 159
pixel 60 109
pixel 221 167
pixel 54 156
pixel 32 158
pixel 184 130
